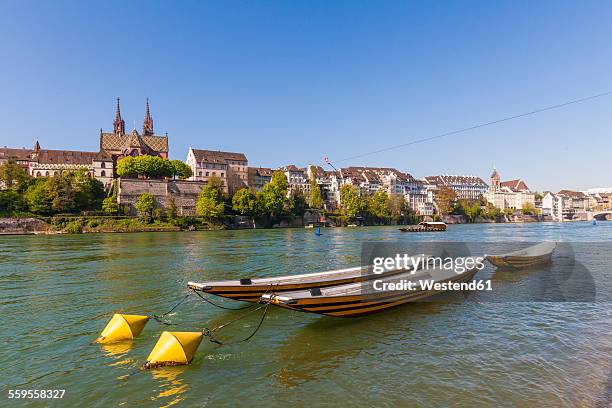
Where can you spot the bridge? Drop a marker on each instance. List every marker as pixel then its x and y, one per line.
pixel 605 215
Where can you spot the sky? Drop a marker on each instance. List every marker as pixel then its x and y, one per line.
pixel 290 82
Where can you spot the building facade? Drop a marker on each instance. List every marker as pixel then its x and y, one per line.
pixel 231 168
pixel 513 194
pixel 465 187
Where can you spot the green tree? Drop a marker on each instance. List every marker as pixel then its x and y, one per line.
pixel 377 205
pixel 110 205
pixel 316 198
pixel 247 203
pixel 274 194
pixel 89 192
pixel 470 209
pixel 171 209
pixel 62 192
pixel 11 201
pixel 445 198
pixel 37 197
pixel 210 205
pixel 145 166
pixel 145 206
pixel 14 177
pixel 528 209
pixel 352 204
pixel 399 210
pixel 296 203
pixel 180 170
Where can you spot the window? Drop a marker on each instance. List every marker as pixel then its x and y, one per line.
pixel 103 173
pixel 206 174
pixel 38 174
pixel 46 174
pixel 221 174
pixel 199 173
pixel 103 165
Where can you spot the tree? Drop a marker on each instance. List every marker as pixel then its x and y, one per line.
pixel 398 207
pixel 352 204
pixel 470 209
pixel 316 198
pixel 180 170
pixel 89 192
pixel 274 194
pixel 110 205
pixel 11 201
pixel 210 205
pixel 14 177
pixel 528 209
pixel 247 203
pixel 445 197
pixel 377 205
pixel 37 197
pixel 296 203
pixel 147 166
pixel 61 192
pixel 171 209
pixel 145 206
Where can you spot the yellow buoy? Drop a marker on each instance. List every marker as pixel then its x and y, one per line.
pixel 122 327
pixel 174 348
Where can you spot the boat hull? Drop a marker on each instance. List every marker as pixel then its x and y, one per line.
pixel 362 305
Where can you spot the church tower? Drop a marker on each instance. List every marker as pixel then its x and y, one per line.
pixel 147 125
pixel 495 181
pixel 119 124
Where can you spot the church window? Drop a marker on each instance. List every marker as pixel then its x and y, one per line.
pixel 103 165
pixel 38 174
pixel 206 174
pixel 103 173
pixel 46 174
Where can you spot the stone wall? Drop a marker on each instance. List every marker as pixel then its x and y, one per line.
pixel 23 226
pixel 185 193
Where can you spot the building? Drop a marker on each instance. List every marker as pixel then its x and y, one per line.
pixel 47 163
pixel 513 194
pixel 118 144
pixel 19 156
pixel 297 179
pixel 465 187
pixel 231 168
pixel 259 177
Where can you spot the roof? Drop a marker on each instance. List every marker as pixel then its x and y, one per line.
pixel 65 157
pixel 446 179
pixel 495 174
pixel 517 185
pixel 113 141
pixel 16 154
pixel 261 171
pixel 212 156
pixel 572 194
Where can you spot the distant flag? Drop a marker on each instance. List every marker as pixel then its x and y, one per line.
pixel 326 159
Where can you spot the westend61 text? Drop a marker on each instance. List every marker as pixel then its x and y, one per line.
pixel 432 285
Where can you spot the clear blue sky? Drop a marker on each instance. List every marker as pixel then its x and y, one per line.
pixel 291 81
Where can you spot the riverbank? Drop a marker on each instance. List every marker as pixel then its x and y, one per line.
pixel 124 224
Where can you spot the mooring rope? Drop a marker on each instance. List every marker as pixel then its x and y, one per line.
pixel 159 318
pixel 224 307
pixel 209 333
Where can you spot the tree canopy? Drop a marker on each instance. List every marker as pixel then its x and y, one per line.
pixel 152 167
pixel 210 205
pixel 274 194
pixel 445 198
pixel 316 198
pixel 352 203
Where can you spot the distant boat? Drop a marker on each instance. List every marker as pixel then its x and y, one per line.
pixel 524 258
pixel 352 225
pixel 425 226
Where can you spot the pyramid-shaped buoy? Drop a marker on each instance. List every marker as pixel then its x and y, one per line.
pixel 122 327
pixel 174 348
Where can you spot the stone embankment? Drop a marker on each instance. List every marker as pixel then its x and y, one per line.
pixel 19 226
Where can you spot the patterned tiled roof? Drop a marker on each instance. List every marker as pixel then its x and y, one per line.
pixel 112 141
pixel 517 185
pixel 454 180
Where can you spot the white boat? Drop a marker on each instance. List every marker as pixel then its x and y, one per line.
pixel 524 258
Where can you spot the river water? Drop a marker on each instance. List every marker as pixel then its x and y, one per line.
pixel 58 292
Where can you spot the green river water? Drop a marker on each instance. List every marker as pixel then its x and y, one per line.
pixel 58 292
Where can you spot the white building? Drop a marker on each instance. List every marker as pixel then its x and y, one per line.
pixel 231 168
pixel 465 187
pixel 513 194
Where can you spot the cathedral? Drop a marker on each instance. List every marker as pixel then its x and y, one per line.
pixel 118 144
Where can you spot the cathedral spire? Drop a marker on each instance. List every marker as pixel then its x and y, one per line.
pixel 119 124
pixel 147 125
